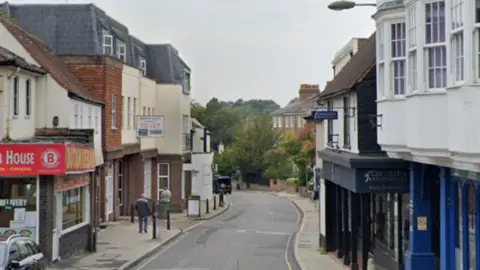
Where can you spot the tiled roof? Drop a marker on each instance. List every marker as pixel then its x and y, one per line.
pixel 354 71
pixel 8 58
pixel 297 107
pixel 50 62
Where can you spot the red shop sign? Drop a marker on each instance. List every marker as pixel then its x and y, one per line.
pixel 32 159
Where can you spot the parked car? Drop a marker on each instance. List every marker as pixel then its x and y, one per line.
pixel 20 252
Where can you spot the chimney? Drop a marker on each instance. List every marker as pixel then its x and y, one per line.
pixel 308 90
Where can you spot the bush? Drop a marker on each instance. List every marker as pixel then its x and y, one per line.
pixel 292 180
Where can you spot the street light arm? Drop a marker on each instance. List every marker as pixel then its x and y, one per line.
pixel 346 4
pixel 366 5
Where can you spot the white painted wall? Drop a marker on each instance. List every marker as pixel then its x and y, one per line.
pixel 198 144
pixel 172 104
pixel 319 142
pixel 147 100
pixel 202 175
pixel 342 57
pixel 131 84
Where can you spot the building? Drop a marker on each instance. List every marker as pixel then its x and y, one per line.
pixel 291 117
pixel 427 104
pixel 51 149
pixel 117 68
pixel 359 178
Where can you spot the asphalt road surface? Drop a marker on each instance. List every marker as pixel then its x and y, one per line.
pixel 257 232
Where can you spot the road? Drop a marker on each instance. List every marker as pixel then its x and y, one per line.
pixel 257 232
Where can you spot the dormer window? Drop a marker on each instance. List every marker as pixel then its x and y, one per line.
pixel 121 51
pixel 143 66
pixel 107 43
pixel 186 83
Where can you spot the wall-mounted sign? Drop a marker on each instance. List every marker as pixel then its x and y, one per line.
pixel 32 159
pixel 319 115
pixel 71 181
pixel 80 158
pixel 422 223
pixel 387 180
pixel 150 126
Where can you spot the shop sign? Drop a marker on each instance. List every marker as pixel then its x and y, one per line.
pixel 80 159
pixel 32 159
pixel 319 115
pixel 71 181
pixel 387 180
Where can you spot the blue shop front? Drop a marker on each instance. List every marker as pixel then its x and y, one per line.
pixel 446 211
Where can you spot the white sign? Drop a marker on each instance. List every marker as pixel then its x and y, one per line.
pixel 150 126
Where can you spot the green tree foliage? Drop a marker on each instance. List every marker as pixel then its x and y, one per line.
pixel 279 164
pixel 301 150
pixel 224 162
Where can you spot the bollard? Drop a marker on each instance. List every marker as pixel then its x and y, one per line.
pixel 132 213
pixel 168 220
pixel 221 200
pixel 214 202
pixel 154 225
pixel 208 207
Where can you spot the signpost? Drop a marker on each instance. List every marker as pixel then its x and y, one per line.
pixel 150 126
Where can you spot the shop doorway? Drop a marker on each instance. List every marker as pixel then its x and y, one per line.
pixel 432 177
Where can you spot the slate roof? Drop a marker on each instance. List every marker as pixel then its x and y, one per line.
pixel 8 58
pixel 76 29
pixel 50 62
pixel 298 107
pixel 354 71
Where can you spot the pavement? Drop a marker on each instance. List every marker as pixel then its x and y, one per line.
pixel 306 241
pixel 121 247
pixel 255 233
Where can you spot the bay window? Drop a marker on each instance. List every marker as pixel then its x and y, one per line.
pixel 435 48
pixel 380 63
pixel 397 35
pixel 412 49
pixel 457 40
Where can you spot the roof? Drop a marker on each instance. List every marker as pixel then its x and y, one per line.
pixel 297 107
pixel 8 58
pixel 50 62
pixel 354 71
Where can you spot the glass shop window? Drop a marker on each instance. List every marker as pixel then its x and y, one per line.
pixel 18 206
pixel 73 201
pixel 385 220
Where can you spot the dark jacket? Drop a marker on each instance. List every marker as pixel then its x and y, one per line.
pixel 142 208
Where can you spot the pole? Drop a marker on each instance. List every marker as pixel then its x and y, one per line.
pixel 214 202
pixel 154 224
pixel 208 207
pixel 132 213
pixel 168 220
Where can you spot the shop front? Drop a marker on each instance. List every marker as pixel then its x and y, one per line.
pixel 44 194
pixel 367 196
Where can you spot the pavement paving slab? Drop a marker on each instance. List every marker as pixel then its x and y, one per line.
pixel 306 241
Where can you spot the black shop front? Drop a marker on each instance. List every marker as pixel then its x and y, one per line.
pixel 366 209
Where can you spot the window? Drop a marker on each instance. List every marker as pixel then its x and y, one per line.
pixel 97 115
pixel 107 43
pixel 163 179
pixel 121 51
pixel 120 183
pixel 457 40
pixel 186 124
pixel 128 113
pixel 72 207
pixel 330 123
pixel 412 49
pixel 435 49
pixel 143 66
pixel 28 98
pixel 76 115
pixel 186 83
pixel 144 110
pixel 114 112
pixel 291 121
pixel 346 122
pixel 381 62
pixel 279 121
pixel 90 123
pixel 134 114
pixel 398 58
pixel 16 97
pixel 81 116
pixel 149 111
pixel 299 121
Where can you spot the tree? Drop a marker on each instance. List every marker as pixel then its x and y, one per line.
pixel 279 164
pixel 224 162
pixel 301 149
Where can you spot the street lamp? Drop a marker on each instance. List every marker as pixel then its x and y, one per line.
pixel 342 5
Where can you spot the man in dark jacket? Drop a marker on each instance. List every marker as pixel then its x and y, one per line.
pixel 143 212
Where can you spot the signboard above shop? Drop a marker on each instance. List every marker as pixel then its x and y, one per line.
pixel 150 126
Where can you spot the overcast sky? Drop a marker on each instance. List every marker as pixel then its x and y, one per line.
pixel 261 49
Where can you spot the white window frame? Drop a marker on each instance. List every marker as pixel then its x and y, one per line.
pixel 143 66
pixel 435 47
pixel 134 113
pixel 81 116
pixel 114 112
pixel 398 58
pixel 97 116
pixel 121 50
pixel 90 123
pixel 412 58
pixel 76 115
pixel 457 45
pixel 107 43
pixel 129 113
pixel 279 120
pixel 159 176
pixel 16 96
pixel 28 98
pixel 381 61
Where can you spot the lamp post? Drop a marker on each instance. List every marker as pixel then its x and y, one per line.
pixel 342 5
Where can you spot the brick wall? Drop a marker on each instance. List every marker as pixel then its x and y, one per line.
pixel 74 242
pixel 102 75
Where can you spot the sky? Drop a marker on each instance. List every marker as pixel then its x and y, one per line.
pixel 249 49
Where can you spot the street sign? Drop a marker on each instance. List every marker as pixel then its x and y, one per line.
pixel 319 115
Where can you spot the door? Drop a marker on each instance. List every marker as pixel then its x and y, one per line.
pixel 109 192
pixel 147 180
pixel 57 226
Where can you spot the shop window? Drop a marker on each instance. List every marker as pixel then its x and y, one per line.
pixel 385 220
pixel 72 207
pixel 18 199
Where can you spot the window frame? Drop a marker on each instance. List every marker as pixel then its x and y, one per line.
pixel 28 98
pixel 412 55
pixel 457 42
pixel 107 43
pixel 435 47
pixel 134 112
pixel 114 112
pixel 16 96
pixel 121 50
pixel 81 116
pixel 97 120
pixel 129 99
pixel 80 214
pixel 76 112
pixel 398 58
pixel 143 66
pixel 381 60
pixel 162 176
